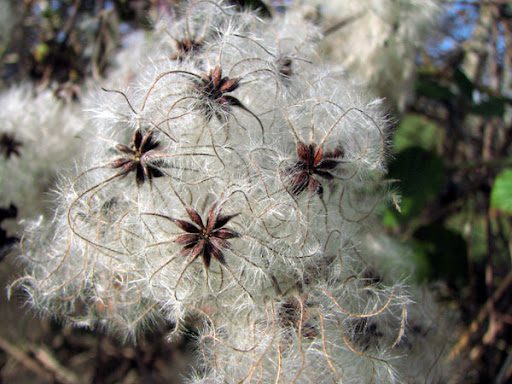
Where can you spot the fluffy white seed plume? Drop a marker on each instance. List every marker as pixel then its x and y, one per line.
pixel 39 138
pixel 377 40
pixel 431 326
pixel 232 183
pixel 330 333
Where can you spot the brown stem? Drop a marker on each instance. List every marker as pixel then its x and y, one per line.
pixel 341 24
pixel 480 318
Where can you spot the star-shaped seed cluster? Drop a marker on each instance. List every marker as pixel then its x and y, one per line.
pixel 138 157
pixel 9 146
pixel 186 46
pixel 216 87
pixel 313 163
pixel 208 241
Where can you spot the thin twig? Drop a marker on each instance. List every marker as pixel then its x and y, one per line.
pixel 341 24
pixel 480 318
pixel 20 355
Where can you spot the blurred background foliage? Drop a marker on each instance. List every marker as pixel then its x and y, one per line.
pixel 451 162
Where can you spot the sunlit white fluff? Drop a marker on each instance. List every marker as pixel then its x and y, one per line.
pixel 379 42
pixel 111 256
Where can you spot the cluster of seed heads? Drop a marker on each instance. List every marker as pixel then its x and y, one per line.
pixel 232 181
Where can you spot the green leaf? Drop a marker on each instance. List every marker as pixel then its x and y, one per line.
pixel 416 130
pixel 495 106
pixel 421 175
pixel 389 218
pixel 433 90
pixel 421 261
pixel 41 52
pixel 506 11
pixel 446 251
pixel 464 84
pixel 470 226
pixel 501 194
